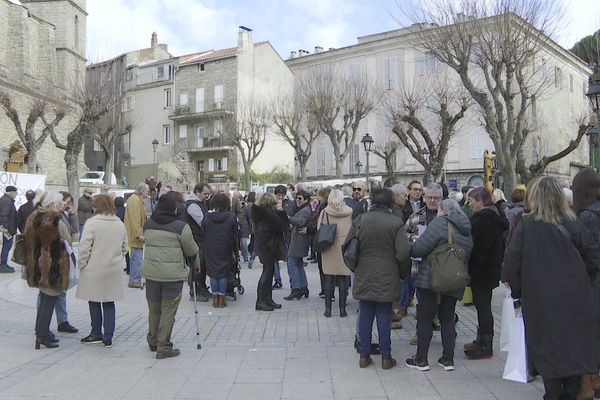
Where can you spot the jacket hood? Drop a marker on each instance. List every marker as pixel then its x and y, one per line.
pixel 343 211
pixel 494 213
pixel 219 217
pixel 162 217
pixel 460 221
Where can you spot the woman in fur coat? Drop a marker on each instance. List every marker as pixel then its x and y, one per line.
pixel 47 262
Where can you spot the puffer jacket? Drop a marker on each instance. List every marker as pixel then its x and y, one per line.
pixel 8 213
pixel 221 236
pixel 436 235
pixel 168 242
pixel 270 227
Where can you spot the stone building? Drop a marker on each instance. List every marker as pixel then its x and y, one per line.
pixel 42 55
pixel 394 61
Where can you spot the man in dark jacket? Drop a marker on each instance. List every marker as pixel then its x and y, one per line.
pixel 415 198
pixel 8 225
pixel 26 210
pixel 289 206
pixel 84 208
pixel 195 210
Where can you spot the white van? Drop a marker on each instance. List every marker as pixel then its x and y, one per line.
pixel 96 178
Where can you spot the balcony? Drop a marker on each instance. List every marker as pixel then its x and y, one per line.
pixel 188 112
pixel 207 144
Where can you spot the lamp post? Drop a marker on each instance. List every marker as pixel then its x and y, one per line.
pixel 301 159
pixel 592 134
pixel 358 167
pixel 154 146
pixel 594 95
pixel 367 142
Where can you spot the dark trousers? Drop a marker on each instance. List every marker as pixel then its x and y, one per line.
pixel 329 284
pixel 482 298
pixel 369 310
pixel 561 388
pixel 102 313
pixel 44 315
pixel 321 274
pixel 163 300
pixel 264 283
pixel 6 246
pixel 426 309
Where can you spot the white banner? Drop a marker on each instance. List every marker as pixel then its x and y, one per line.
pixel 23 183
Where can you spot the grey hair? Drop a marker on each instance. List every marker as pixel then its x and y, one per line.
pixel 347 190
pixel 141 187
pixel 336 199
pixel 49 199
pixel 433 187
pixel 449 206
pixel 399 189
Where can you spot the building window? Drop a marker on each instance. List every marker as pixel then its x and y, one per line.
pixel 534 110
pixel 557 78
pixel 129 74
pixel 97 146
pixel 161 72
pixel 182 131
pixel 429 64
pixel 218 128
pixel 218 97
pixel 219 164
pixel 571 83
pixel 183 99
pixel 166 134
pixel 353 157
pixel 354 71
pixel 200 166
pixel 171 71
pixel 199 137
pixel 390 73
pixel 543 68
pixel 129 103
pixel 200 67
pixel 477 146
pixel 167 98
pixel 321 160
pixel 199 100
pixel 76 27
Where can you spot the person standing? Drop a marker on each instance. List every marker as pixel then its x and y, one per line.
pixel 359 189
pixel 415 198
pixel 221 241
pixel 102 251
pixel 169 244
pixel 449 216
pixel 84 208
pixel 544 265
pixel 383 259
pixel 249 221
pixel 298 249
pixel 8 225
pixel 135 218
pixel 489 225
pixel 335 271
pixel 120 212
pixel 26 210
pixel 289 206
pixel 244 222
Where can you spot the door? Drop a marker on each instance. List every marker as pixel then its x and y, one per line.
pixel 199 100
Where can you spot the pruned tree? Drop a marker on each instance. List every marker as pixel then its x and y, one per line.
pixel 337 103
pixel 26 130
pixel 247 132
pixel 494 46
pixel 295 126
pixel 106 133
pixel 425 119
pixel 387 148
pixel 93 99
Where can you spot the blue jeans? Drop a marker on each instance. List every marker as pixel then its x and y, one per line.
pixel 406 288
pixel 245 241
pixel 218 285
pixel 277 273
pixel 296 272
pixel 60 307
pixel 99 313
pixel 136 258
pixel 368 311
pixel 6 246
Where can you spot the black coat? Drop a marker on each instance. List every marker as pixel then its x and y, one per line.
pixel 546 271
pixel 221 238
pixel 23 213
pixel 485 263
pixel 590 218
pixel 269 229
pixel 8 213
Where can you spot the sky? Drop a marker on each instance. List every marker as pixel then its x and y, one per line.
pixel 187 26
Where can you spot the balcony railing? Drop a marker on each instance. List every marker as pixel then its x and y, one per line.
pixel 212 143
pixel 209 110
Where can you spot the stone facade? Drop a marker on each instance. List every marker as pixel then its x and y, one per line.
pixel 42 55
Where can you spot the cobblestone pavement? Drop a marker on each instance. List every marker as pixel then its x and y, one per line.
pixel 292 353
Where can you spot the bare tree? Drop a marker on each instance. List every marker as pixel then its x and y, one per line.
pixel 494 47
pixel 93 99
pixel 387 148
pixel 425 119
pixel 106 134
pixel 295 126
pixel 247 132
pixel 337 103
pixel 26 131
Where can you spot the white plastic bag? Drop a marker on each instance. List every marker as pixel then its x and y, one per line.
pixel 73 270
pixel 516 361
pixel 508 321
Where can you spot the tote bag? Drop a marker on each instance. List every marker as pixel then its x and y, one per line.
pixel 326 234
pixel 508 321
pixel 515 368
pixel 448 266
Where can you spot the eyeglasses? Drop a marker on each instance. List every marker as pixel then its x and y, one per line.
pixel 357 190
pixel 433 198
pixel 416 189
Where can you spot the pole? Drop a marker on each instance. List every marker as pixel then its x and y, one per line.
pixel 154 164
pixel 367 170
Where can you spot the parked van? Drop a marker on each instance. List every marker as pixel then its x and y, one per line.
pixel 96 178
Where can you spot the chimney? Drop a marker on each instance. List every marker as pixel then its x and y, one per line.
pixel 154 41
pixel 302 53
pixel 292 54
pixel 331 48
pixel 318 49
pixel 244 38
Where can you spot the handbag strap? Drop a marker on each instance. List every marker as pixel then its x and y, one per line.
pixel 327 215
pixel 450 228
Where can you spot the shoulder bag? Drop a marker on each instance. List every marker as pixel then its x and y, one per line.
pixel 326 234
pixel 448 268
pixel 350 249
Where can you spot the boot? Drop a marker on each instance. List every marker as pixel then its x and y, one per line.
pixel 327 312
pixel 261 304
pixel 342 293
pixel 586 389
pixel 473 345
pixel 328 283
pixel 222 302
pixel 483 350
pixel 596 385
pixel 215 302
pixel 388 363
pixel 294 294
pixel 268 290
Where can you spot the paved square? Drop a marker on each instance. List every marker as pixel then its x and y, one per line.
pixel 292 353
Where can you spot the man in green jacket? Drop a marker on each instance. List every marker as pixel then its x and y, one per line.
pixel 168 244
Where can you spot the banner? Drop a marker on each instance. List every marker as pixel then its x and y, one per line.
pixel 23 183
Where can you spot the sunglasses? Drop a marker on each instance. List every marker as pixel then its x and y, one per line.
pixel 299 198
pixel 357 189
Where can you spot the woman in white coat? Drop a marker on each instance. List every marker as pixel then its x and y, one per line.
pixel 102 250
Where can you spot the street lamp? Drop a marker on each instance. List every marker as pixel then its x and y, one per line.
pixel 367 142
pixel 301 159
pixel 592 133
pixel 154 146
pixel 358 167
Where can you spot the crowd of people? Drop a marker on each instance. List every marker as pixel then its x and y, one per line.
pixel 543 244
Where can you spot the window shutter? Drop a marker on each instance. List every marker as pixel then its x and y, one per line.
pixel 183 131
pixel 199 100
pixel 225 164
pixel 211 165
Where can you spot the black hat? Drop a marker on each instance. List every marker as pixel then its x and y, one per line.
pixel 10 189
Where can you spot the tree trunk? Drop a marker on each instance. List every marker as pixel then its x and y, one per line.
pixel 247 169
pixel 31 159
pixel 109 164
pixel 389 165
pixel 302 170
pixel 71 160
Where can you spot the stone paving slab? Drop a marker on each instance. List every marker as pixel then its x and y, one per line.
pixel 292 353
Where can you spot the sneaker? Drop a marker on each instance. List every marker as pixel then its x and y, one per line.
pixel 277 285
pixel 92 340
pixel 414 340
pixel 167 354
pixel 67 328
pixel 448 365
pixel 134 285
pixel 421 365
pixel 107 343
pixel 5 269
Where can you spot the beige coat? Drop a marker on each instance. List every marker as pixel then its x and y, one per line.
pixel 135 218
pixel 333 262
pixel 102 250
